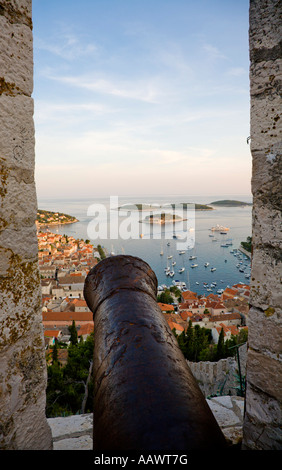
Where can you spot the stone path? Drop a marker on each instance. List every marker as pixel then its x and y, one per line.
pixel 75 432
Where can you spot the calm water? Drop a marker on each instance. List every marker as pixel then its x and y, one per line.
pixel 238 219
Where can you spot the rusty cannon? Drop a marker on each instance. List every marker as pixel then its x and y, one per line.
pixel 145 396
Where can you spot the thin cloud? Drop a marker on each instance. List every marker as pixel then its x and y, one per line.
pixel 142 91
pixel 213 52
pixel 67 46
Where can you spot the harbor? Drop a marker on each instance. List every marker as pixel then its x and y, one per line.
pixel 211 260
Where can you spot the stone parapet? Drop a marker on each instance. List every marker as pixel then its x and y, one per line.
pixel 23 374
pixel 75 432
pixel 264 369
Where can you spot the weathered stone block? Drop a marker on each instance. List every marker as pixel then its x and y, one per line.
pixel 266 279
pixel 17 139
pixel 264 372
pixel 15 42
pixel 265 25
pixel 265 330
pixel 262 422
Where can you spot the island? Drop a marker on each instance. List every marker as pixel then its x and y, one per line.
pixel 53 218
pixel 139 207
pixel 153 207
pixel 230 203
pixel 163 219
pixel 191 205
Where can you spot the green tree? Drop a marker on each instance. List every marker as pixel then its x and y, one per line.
pixel 220 350
pixel 70 387
pixel 165 297
pixel 73 334
pixel 55 352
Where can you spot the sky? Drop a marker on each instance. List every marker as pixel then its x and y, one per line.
pixel 141 97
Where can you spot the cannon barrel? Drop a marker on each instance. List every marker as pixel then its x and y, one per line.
pixel 145 396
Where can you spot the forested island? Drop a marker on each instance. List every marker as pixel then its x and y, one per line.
pixel 53 218
pixel 163 218
pixel 230 203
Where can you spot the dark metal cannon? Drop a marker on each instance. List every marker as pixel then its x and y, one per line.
pixel 145 397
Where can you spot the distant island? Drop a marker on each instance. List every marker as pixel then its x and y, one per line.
pixel 139 207
pixel 191 205
pixel 230 203
pixel 53 218
pixel 153 207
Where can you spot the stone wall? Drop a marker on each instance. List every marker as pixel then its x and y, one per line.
pixel 263 399
pixel 219 378
pixel 23 424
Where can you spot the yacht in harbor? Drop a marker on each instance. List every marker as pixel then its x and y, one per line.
pixel 219 228
pixel 194 265
pixel 181 270
pixel 207 264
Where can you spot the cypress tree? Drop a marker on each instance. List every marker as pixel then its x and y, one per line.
pixel 73 334
pixel 220 350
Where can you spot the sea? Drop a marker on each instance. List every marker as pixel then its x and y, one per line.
pixel 125 232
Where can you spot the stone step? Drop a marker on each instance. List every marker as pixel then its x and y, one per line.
pixel 75 432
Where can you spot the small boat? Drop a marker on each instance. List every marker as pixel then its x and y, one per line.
pixel 181 270
pixel 169 257
pixel 194 265
pixel 214 240
pixel 161 253
pixel 213 269
pixel 171 273
pixel 182 252
pixel 173 263
pixel 197 283
pixel 207 264
pixel 192 257
pixel 168 244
